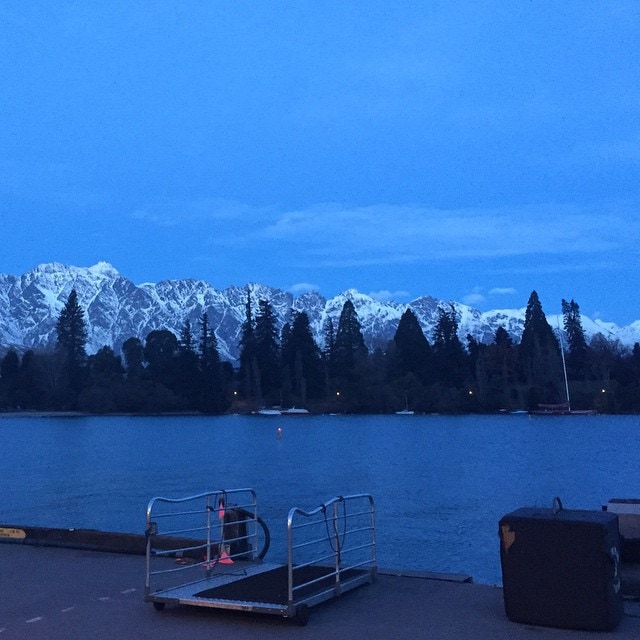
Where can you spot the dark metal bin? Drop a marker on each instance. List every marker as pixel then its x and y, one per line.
pixel 560 568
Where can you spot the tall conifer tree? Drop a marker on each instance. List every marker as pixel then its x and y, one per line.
pixel 577 344
pixel 539 355
pixel 249 375
pixel 349 346
pixel 302 360
pixel 267 351
pixel 212 395
pixel 71 329
pixel 412 349
pixel 449 357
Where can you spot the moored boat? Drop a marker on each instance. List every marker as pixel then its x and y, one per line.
pixel 295 411
pixel 268 412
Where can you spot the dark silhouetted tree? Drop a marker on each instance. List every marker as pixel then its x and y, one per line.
pixel 496 372
pixel 212 398
pixel 349 347
pixel 71 329
pixel 450 365
pixel 32 392
pixel 540 358
pixel 188 379
pixel 133 353
pixel 249 374
pixel 160 351
pixel 105 378
pixel 412 349
pixel 352 378
pixel 9 379
pixel 267 351
pixel 301 360
pixel 328 351
pixel 577 349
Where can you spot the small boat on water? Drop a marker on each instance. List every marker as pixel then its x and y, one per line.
pixel 269 412
pixel 295 411
pixel 561 409
pixel 406 411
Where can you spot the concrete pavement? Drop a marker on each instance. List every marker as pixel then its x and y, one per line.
pixel 58 593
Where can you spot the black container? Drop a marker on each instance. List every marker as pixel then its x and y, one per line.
pixel 560 568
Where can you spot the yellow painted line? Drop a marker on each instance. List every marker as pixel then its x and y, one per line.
pixel 10 532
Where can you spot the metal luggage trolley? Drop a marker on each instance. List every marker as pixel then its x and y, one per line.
pixel 202 550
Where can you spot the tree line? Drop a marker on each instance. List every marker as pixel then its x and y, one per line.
pixel 433 374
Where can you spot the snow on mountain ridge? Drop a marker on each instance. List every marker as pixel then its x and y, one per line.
pixel 118 309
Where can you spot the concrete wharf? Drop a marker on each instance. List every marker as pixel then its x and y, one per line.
pixel 62 593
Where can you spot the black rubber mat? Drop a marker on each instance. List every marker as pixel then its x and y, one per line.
pixel 272 586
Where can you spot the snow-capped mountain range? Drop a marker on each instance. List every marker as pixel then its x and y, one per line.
pixel 117 309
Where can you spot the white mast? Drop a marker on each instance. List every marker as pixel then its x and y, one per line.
pixel 564 366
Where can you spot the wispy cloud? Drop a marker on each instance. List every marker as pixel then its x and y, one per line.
pixel 474 299
pixel 386 234
pixel 303 287
pixel 331 235
pixel 385 295
pixel 502 291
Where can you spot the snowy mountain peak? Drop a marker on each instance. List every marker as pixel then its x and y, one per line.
pixel 103 270
pixel 116 309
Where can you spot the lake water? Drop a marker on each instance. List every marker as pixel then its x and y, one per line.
pixel 440 483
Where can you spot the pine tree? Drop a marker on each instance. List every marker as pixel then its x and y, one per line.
pixel 449 357
pixel 209 356
pixel 496 373
pixel 577 355
pixel 71 329
pixel 349 347
pixel 212 395
pixel 539 355
pixel 267 351
pixel 328 352
pixel 301 359
pixel 249 376
pixel 412 349
pixel 188 379
pixel 187 341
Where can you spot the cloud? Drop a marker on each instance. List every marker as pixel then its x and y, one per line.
pixel 388 234
pixel 385 295
pixel 473 299
pixel 303 287
pixel 502 291
pixel 341 236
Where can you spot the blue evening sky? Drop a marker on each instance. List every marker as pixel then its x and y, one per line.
pixel 473 151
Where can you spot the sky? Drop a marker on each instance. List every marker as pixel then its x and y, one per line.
pixel 471 151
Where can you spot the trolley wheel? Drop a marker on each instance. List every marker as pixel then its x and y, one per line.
pixel 302 615
pixel 159 606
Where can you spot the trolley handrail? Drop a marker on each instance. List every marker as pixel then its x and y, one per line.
pixel 211 541
pixel 331 544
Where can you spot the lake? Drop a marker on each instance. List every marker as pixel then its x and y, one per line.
pixel 440 483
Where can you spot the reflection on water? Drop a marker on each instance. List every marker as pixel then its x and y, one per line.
pixel 440 483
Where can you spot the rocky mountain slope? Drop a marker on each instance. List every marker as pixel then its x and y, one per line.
pixel 118 309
